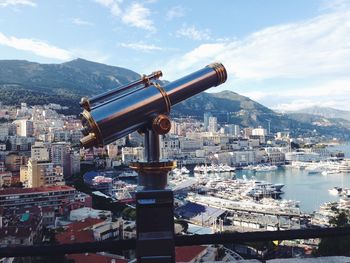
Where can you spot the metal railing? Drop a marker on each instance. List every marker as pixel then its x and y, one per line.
pixel 185 240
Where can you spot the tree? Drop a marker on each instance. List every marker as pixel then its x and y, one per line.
pixel 340 220
pixel 336 246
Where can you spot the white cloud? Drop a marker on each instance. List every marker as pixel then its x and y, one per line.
pixel 140 46
pixel 311 48
pixel 333 93
pixel 175 12
pixel 137 15
pixel 296 105
pixel 197 58
pixel 37 47
pixel 80 22
pixel 193 33
pixel 113 5
pixel 334 4
pixel 5 3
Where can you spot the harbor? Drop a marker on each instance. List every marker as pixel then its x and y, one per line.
pixel 309 190
pixel 312 190
pixel 256 197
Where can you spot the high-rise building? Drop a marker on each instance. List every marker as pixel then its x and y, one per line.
pixel 233 130
pixel 23 175
pixel 24 128
pixel 40 152
pixel 213 124
pixel 42 173
pixel 60 154
pixel 206 120
pixel 73 164
pixel 236 130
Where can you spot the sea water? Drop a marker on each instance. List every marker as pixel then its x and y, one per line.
pixel 310 189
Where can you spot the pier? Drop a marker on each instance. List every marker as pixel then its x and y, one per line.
pixel 249 214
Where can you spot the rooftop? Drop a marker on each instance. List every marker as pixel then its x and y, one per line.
pixel 81 225
pixel 44 189
pixel 187 254
pixel 70 237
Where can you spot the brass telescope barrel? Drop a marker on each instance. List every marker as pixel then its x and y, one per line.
pixel 145 80
pixel 116 118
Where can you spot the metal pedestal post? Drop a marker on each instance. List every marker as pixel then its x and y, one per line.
pixel 154 207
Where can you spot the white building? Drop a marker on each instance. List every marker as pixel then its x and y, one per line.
pixel 302 156
pixel 188 145
pixel 212 124
pixel 169 146
pixel 206 120
pixel 40 152
pixel 130 154
pixel 87 212
pixel 24 128
pixel 259 131
pixel 276 155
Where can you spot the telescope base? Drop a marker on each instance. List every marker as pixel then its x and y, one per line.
pixel 155 226
pixel 153 175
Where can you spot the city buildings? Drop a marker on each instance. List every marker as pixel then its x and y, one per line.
pixel 42 152
pixel 212 124
pixel 42 173
pixel 24 128
pixel 49 196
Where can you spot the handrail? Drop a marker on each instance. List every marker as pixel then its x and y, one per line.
pixel 185 240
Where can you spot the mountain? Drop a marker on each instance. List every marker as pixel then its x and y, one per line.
pixel 326 112
pixel 230 107
pixel 66 83
pixel 319 120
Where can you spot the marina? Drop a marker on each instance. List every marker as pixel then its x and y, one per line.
pixel 311 189
pixel 289 183
pixel 260 196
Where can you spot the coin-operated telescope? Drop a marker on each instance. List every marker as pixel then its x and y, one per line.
pixel 144 106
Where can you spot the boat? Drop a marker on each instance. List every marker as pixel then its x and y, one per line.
pixel 213 168
pixel 179 171
pixel 131 174
pixel 335 190
pixel 100 179
pixel 236 189
pixel 314 169
pixel 265 168
pixel 184 170
pixel 122 191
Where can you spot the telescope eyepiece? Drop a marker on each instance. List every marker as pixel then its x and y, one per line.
pixel 220 71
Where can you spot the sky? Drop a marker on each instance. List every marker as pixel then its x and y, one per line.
pixel 286 55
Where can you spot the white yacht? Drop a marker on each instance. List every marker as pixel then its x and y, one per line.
pixel 184 170
pixel 213 168
pixel 335 190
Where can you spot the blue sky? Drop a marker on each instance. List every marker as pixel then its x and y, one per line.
pixel 284 54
